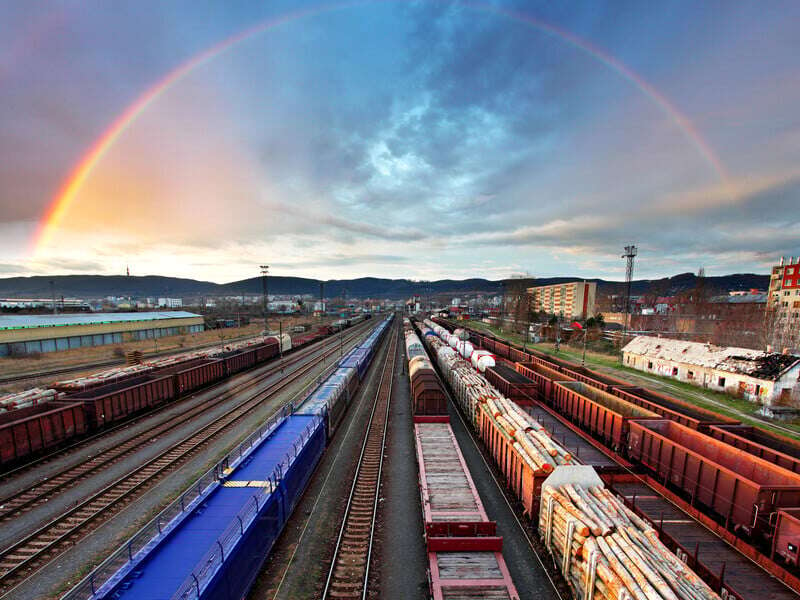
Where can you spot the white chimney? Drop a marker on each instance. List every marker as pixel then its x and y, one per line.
pixel 781 261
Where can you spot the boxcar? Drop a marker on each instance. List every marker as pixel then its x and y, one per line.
pixel 770 446
pixel 267 350
pixel 427 393
pixel 599 412
pixel 742 489
pixel 673 409
pixel 110 403
pixel 29 430
pixel 512 384
pixel 543 377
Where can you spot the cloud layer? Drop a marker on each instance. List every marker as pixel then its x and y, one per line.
pixel 424 139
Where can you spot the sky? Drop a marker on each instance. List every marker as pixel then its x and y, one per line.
pixel 425 139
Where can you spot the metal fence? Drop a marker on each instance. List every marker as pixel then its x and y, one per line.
pixel 149 535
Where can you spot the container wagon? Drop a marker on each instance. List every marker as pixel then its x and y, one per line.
pixel 34 429
pixel 602 414
pixel 744 491
pixel 676 410
pixel 770 446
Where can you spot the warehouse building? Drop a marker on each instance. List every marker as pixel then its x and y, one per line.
pixel 767 378
pixel 27 334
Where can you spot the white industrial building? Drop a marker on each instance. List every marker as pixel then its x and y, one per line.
pixel 767 378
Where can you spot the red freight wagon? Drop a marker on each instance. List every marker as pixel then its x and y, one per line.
pixel 518 355
pixel 524 481
pixel 239 360
pixel 673 409
pixel 599 412
pixel 742 489
pixel 512 384
pixel 110 403
pixel 197 374
pixel 786 542
pixel 29 430
pixel 427 393
pixel 544 377
pixel 770 446
pixel 266 351
pixel 598 380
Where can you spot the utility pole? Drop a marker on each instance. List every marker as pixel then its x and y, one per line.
pixel 53 292
pixel 264 274
pixel 629 256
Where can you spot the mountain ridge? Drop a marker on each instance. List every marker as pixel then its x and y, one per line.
pixel 94 286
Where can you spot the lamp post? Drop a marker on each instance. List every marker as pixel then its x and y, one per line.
pixel 264 274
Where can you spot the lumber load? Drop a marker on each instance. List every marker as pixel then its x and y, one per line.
pixel 603 549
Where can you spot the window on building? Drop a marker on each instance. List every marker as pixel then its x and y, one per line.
pixel 721 382
pixel 674 371
pixel 649 364
pixel 690 375
pixel 758 390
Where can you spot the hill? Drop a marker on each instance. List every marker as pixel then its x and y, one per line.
pixel 98 286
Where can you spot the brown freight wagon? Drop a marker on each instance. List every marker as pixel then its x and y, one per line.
pixel 523 480
pixel 512 384
pixel 110 403
pixel 426 389
pixel 598 380
pixel 197 374
pixel 239 360
pixel 601 413
pixel 544 377
pixel 267 350
pixel 673 409
pixel 786 542
pixel 770 446
pixel 743 490
pixel 519 355
pixel 30 430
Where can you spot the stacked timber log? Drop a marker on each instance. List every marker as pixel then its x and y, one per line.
pixel 30 397
pixel 606 551
pixel 101 378
pixel 531 441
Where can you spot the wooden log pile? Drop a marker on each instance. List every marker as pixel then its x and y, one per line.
pixel 605 551
pixel 531 441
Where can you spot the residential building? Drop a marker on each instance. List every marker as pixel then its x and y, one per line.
pixel 783 307
pixel 574 300
pixel 170 302
pixel 767 378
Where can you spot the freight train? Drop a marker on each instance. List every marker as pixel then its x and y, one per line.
pixel 669 439
pixel 92 403
pixel 213 540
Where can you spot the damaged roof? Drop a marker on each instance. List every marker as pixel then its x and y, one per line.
pixel 744 361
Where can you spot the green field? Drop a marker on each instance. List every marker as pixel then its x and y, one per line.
pixel 731 406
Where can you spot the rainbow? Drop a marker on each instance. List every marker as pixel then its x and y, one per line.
pixel 72 185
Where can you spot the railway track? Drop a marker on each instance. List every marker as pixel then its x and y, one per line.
pixel 349 571
pixel 26 556
pixel 252 378
pixel 29 497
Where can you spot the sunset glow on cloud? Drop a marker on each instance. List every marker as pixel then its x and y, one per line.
pixel 426 139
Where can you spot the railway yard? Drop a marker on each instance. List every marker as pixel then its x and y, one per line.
pixel 388 457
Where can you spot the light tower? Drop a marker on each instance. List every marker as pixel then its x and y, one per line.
pixel 630 255
pixel 264 274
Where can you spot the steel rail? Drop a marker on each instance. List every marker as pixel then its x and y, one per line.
pixel 26 499
pixel 47 540
pixel 349 570
pixel 248 379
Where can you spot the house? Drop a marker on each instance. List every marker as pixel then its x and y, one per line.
pixel 767 378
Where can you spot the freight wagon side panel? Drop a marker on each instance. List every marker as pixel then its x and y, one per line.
pixel 200 376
